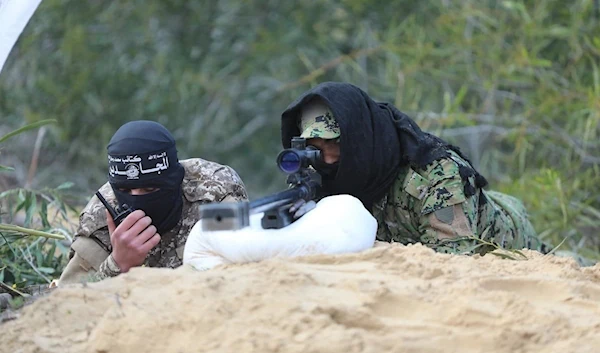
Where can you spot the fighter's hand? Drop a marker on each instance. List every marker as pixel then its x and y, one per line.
pixel 132 239
pixel 301 207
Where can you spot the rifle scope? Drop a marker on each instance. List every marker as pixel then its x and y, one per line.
pixel 299 156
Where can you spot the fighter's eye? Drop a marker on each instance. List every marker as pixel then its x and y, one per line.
pixel 138 191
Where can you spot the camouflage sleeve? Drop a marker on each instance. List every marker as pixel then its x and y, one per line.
pixel 449 229
pixel 89 259
pixel 233 186
pixel 448 219
pixel 207 181
pixel 91 242
pixel 452 222
pixel 92 220
pixel 108 268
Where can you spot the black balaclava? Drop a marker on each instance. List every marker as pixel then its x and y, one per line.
pixel 376 140
pixel 142 154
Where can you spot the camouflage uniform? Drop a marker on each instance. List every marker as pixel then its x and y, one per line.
pixel 204 182
pixel 429 206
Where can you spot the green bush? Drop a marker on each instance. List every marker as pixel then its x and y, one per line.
pixel 32 253
pixel 514 83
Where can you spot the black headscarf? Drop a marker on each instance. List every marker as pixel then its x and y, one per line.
pixel 376 141
pixel 142 154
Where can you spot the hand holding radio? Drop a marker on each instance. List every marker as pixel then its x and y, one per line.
pixel 132 235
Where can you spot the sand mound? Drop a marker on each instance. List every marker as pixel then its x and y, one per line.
pixel 390 298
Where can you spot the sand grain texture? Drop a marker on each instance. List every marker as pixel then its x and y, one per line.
pixel 389 299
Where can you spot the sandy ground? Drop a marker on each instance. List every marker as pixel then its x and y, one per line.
pixel 388 299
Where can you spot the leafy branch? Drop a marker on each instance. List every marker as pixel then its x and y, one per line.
pixel 27 231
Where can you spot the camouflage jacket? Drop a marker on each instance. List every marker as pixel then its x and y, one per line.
pixel 204 182
pixel 429 206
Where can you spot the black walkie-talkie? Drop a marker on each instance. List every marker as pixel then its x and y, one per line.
pixel 118 214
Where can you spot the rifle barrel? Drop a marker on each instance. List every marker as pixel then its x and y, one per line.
pixel 278 199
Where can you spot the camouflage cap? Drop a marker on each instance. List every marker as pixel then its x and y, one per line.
pixel 317 121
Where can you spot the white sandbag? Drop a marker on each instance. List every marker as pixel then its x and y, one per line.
pixel 338 224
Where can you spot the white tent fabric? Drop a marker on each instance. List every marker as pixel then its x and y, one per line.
pixel 338 224
pixel 14 15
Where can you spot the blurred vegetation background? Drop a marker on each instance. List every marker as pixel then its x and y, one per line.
pixel 516 84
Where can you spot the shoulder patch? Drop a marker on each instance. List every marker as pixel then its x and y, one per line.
pixel 445 215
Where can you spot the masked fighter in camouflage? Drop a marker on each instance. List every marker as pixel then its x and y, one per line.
pixel 145 174
pixel 417 186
